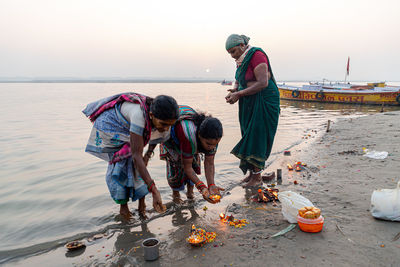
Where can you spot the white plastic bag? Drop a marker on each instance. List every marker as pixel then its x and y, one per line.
pixel 385 204
pixel 376 154
pixel 291 203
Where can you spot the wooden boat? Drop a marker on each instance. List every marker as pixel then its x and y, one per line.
pixel 225 82
pixel 372 93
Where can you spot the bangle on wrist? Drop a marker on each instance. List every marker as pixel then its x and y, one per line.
pixel 211 185
pixel 151 186
pixel 200 186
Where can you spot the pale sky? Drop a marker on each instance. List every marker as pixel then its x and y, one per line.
pixel 304 39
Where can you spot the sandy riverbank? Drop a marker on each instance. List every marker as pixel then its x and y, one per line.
pixel 340 184
pixel 339 180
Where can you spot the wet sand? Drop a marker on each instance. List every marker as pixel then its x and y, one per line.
pixel 338 179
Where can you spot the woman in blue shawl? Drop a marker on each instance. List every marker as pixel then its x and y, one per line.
pixel 123 125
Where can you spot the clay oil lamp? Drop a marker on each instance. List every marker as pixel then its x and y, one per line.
pixel 75 245
pixel 290 167
pixel 196 240
pixel 215 198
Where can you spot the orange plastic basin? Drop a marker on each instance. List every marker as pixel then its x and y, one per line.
pixel 310 225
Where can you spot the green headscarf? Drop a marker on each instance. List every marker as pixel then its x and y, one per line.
pixel 236 39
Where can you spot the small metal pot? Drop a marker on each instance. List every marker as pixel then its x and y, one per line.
pixel 151 248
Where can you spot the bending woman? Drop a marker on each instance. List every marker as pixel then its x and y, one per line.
pixel 255 88
pixel 193 134
pixel 123 125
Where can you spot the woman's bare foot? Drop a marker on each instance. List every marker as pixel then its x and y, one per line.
pixel 176 197
pixel 255 180
pixel 246 179
pixel 124 212
pixel 268 177
pixel 142 209
pixel 143 215
pixel 190 194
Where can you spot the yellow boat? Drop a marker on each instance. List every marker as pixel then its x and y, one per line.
pixel 372 93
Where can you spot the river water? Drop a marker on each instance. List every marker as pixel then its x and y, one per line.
pixel 51 190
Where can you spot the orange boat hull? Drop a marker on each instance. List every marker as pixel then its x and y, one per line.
pixel 376 98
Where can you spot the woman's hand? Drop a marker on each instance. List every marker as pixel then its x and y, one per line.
pixel 215 190
pixel 232 98
pixel 157 202
pixel 232 90
pixel 206 195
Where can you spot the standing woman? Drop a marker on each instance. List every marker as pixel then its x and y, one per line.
pixel 193 134
pixel 123 125
pixel 255 88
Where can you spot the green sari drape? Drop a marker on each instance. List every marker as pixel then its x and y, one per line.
pixel 258 117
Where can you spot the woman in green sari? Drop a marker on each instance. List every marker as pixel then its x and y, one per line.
pixel 255 89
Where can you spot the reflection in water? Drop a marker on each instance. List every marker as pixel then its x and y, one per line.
pixel 249 193
pixel 181 216
pixel 128 249
pixel 128 246
pixel 129 238
pixel 344 109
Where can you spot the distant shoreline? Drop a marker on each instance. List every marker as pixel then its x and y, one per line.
pixel 113 81
pixel 145 81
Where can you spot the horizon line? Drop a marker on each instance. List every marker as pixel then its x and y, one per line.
pixel 144 80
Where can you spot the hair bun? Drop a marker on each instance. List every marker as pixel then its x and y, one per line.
pixel 245 39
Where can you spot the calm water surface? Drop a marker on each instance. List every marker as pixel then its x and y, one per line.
pixel 51 190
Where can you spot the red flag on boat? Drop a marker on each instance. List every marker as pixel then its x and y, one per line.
pixel 348 65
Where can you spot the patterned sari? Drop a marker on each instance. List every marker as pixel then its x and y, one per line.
pixel 172 152
pixel 110 140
